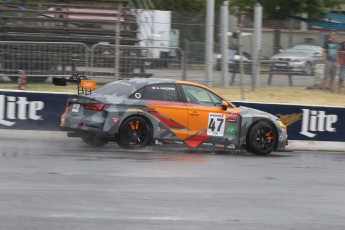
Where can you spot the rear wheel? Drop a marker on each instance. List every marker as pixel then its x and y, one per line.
pixel 262 138
pixel 135 132
pixel 93 140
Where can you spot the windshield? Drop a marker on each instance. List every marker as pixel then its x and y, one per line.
pixel 301 49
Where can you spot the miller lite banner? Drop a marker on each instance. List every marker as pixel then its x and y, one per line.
pixel 27 110
pixel 31 110
pixel 317 123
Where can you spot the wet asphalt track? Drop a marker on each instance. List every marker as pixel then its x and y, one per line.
pixel 58 183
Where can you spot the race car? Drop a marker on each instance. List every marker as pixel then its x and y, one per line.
pixel 139 112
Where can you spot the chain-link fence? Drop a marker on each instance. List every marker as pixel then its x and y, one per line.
pixel 173 48
pixel 41 60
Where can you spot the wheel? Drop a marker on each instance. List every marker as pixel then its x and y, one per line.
pixel 93 140
pixel 135 132
pixel 308 69
pixel 262 138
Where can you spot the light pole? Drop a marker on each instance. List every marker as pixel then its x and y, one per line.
pixel 209 43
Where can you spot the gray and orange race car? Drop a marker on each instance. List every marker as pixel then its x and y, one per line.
pixel 143 111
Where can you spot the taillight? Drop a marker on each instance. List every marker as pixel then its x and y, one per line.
pixel 93 106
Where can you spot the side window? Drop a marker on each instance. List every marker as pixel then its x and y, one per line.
pixel 138 94
pixel 161 92
pixel 197 95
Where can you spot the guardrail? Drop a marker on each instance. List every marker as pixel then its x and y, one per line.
pixel 42 110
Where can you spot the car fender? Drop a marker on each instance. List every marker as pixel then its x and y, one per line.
pixel 249 117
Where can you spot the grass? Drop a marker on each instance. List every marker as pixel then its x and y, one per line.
pixel 284 94
pixel 276 94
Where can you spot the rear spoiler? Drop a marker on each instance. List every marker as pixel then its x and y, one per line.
pixel 84 85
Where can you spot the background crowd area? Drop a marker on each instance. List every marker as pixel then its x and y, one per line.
pixel 42 39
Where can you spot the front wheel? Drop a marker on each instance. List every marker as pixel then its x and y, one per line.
pixel 135 132
pixel 262 138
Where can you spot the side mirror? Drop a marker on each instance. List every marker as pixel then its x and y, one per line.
pixel 225 105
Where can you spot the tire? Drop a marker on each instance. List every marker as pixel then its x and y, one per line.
pixel 93 140
pixel 262 138
pixel 135 132
pixel 308 69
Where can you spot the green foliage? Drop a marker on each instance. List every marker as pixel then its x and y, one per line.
pixel 184 5
pixel 274 8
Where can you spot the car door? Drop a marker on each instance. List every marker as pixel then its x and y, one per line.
pixel 206 117
pixel 165 105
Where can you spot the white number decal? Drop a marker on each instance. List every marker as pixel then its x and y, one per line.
pixel 75 108
pixel 216 124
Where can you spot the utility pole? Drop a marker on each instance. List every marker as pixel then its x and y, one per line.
pixel 117 42
pixel 256 45
pixel 209 43
pixel 224 41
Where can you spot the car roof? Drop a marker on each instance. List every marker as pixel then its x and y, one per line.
pixel 147 81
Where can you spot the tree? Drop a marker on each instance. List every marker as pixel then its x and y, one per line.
pixel 184 5
pixel 273 8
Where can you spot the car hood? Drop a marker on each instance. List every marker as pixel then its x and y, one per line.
pixel 290 55
pixel 250 112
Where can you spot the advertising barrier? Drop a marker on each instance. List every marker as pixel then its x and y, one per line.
pixel 25 110
pixel 312 123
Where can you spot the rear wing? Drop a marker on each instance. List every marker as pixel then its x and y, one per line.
pixel 84 85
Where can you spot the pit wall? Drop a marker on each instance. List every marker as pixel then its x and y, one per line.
pixel 27 110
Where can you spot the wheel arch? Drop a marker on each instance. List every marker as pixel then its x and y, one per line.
pixel 258 121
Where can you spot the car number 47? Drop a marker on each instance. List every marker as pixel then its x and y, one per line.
pixel 216 124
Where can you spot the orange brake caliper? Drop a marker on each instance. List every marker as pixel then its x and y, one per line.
pixel 136 125
pixel 268 135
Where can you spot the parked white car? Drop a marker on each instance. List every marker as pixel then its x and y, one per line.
pixel 299 58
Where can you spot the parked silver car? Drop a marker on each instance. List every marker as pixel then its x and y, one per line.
pixel 299 58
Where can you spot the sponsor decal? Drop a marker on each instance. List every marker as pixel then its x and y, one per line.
pixel 75 108
pixel 231 130
pixel 168 141
pixel 317 121
pixel 163 88
pixel 137 95
pixel 219 145
pixel 231 146
pixel 216 124
pixel 135 110
pixel 207 144
pixel 157 142
pixel 289 119
pixel 261 115
pixel 115 119
pixel 179 142
pixel 233 116
pixel 88 84
pixel 281 138
pixel 18 108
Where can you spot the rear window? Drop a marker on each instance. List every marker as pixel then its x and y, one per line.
pixel 116 88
